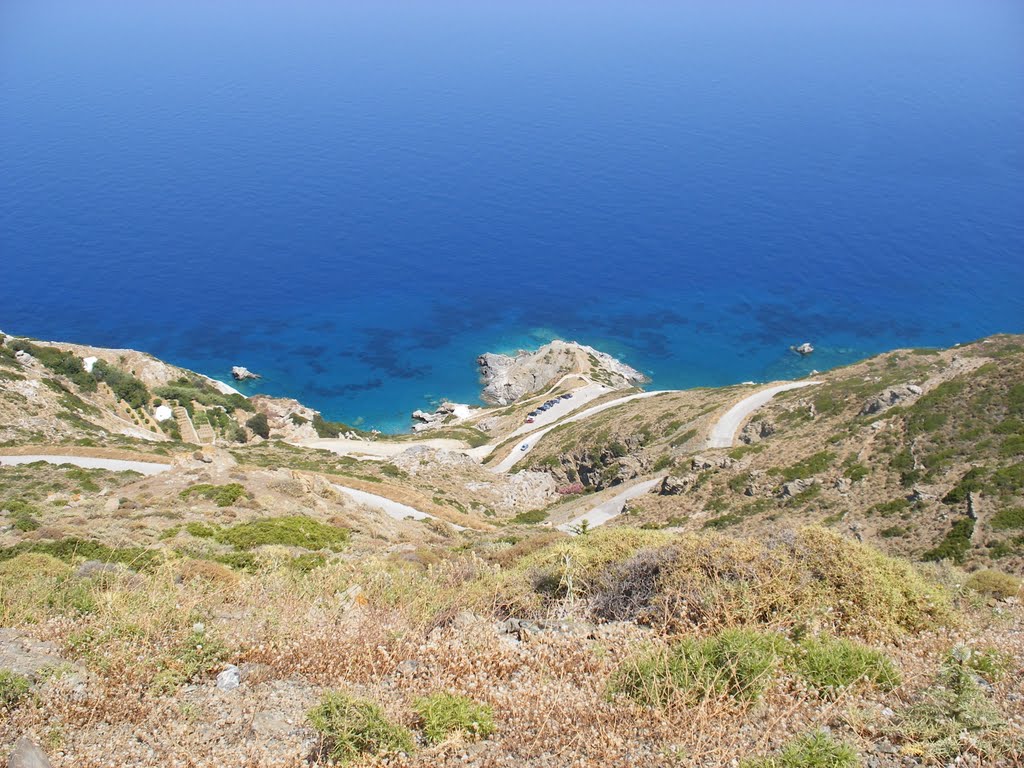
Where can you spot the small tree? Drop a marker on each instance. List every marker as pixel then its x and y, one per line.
pixel 259 425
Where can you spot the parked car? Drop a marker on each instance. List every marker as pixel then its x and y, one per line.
pixel 567 395
pixel 530 420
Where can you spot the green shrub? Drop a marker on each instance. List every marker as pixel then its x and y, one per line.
pixel 124 385
pixel 956 543
pixel 63 363
pixel 31 565
pixel 856 471
pixel 73 550
pixel 812 577
pixel 259 425
pixel 1009 518
pixel 890 508
pixel 1012 446
pixel 23 514
pixel 392 471
pixel 194 656
pixel 994 583
pixel 812 465
pixel 832 663
pixel 353 727
pixel 222 495
pixel 953 717
pixel 284 531
pixel 816 750
pixel 736 662
pixel 329 428
pixel 185 390
pixel 532 517
pixel 990 663
pixel 13 688
pixel 972 481
pixel 445 714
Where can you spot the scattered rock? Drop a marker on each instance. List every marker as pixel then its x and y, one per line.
pixel 407 668
pixel 700 463
pixel 229 679
pixel 203 457
pixel 920 494
pixel 843 484
pixel 673 486
pixel 21 654
pixel 794 487
pixel 241 373
pixel 755 431
pixel 889 398
pixel 803 349
pixel 26 754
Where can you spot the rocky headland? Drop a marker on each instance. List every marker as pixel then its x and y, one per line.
pixel 507 378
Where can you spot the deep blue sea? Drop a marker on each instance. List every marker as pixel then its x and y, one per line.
pixel 357 198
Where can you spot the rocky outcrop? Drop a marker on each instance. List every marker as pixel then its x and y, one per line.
pixel 674 486
pixel 796 487
pixel 803 349
pixel 241 373
pixel 756 431
pixel 287 418
pixel 891 397
pixel 446 413
pixel 702 464
pixel 507 378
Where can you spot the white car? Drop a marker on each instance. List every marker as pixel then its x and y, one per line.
pixel 524 447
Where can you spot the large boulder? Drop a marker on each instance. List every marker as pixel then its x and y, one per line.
pixel 673 485
pixel 797 486
pixel 27 754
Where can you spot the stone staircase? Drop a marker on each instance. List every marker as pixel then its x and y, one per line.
pixel 188 430
pixel 206 434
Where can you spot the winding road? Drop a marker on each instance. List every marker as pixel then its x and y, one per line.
pixel 610 509
pixel 723 434
pixel 392 509
pixel 89 462
pixel 518 452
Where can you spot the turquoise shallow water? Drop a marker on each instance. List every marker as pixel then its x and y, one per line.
pixel 356 199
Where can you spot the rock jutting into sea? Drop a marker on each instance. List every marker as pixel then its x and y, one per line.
pixel 507 378
pixel 241 373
